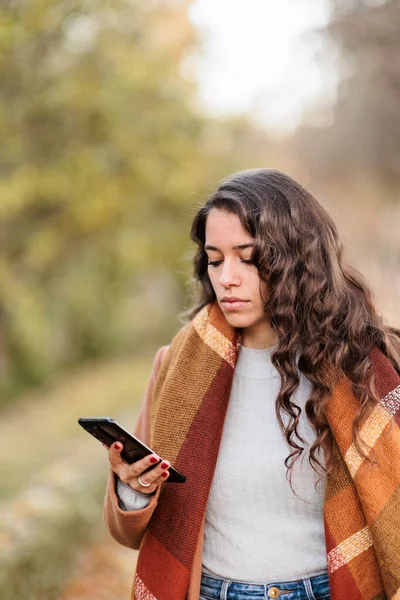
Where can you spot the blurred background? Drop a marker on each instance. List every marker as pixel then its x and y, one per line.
pixel 117 118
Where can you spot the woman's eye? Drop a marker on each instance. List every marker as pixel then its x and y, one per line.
pixel 214 263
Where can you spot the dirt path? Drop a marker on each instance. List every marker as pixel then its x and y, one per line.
pixel 52 475
pixel 39 428
pixel 103 571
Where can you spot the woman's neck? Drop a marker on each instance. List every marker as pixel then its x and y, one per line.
pixel 259 340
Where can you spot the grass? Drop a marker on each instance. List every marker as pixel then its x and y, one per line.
pixel 53 474
pixel 41 428
pixel 38 572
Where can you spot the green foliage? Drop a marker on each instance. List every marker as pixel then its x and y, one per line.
pixel 101 153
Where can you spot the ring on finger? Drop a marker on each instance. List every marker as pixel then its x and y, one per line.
pixel 142 483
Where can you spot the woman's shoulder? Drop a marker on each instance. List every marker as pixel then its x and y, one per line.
pixel 178 340
pixel 160 356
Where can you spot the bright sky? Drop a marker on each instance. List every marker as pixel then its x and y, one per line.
pixel 260 57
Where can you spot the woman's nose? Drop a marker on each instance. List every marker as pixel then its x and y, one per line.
pixel 228 275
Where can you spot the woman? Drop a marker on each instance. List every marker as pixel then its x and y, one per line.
pixel 280 402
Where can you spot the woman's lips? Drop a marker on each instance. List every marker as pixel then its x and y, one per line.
pixel 233 305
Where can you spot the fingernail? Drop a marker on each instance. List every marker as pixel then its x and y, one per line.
pixel 117 446
pixel 164 465
pixel 165 474
pixel 153 459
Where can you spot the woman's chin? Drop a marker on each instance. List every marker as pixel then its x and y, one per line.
pixel 236 320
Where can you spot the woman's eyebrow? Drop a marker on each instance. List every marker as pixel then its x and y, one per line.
pixel 239 247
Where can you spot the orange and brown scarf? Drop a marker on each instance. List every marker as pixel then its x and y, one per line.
pixel 362 500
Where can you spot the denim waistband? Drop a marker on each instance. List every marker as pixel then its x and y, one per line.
pixel 309 588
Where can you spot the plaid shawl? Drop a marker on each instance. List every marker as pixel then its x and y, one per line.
pixel 362 501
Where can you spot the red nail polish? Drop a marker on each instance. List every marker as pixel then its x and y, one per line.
pixel 164 465
pixel 153 459
pixel 117 446
pixel 165 474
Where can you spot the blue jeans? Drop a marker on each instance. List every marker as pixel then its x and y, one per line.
pixel 313 588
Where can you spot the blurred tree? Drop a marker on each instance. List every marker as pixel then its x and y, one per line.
pixel 365 129
pixel 101 149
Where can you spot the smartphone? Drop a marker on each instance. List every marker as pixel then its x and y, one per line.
pixel 109 431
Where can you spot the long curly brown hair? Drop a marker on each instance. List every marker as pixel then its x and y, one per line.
pixel 318 305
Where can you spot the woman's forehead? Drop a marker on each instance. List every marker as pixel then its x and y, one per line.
pixel 225 226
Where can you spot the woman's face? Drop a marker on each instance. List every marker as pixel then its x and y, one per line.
pixel 233 276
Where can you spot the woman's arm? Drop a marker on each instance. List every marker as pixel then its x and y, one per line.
pixel 128 527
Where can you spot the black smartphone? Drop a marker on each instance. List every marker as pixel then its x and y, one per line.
pixel 109 431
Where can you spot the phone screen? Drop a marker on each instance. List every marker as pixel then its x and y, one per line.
pixel 131 450
pixel 107 431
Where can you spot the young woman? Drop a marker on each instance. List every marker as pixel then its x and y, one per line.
pixel 280 402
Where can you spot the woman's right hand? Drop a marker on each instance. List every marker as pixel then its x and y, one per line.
pixel 129 473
